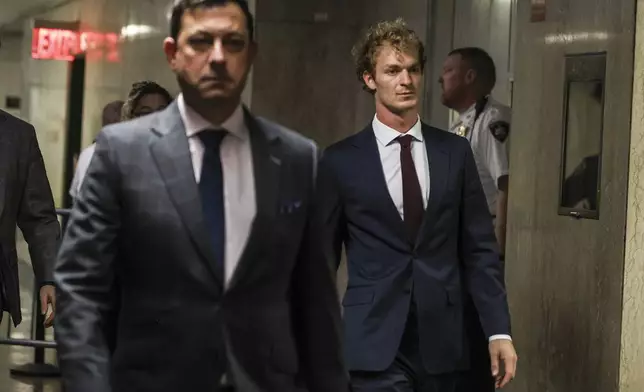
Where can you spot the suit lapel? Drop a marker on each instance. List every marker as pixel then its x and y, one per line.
pixel 171 153
pixel 439 172
pixel 374 178
pixel 267 161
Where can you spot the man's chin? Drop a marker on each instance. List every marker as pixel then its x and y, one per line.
pixel 216 95
pixel 406 106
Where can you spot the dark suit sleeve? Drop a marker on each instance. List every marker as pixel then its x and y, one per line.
pixel 329 212
pixel 480 255
pixel 317 316
pixel 84 275
pixel 37 214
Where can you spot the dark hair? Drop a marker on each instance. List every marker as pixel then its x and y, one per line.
pixel 138 91
pixel 481 62
pixel 111 113
pixel 395 33
pixel 181 6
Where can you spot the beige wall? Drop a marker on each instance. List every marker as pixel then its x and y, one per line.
pixel 10 70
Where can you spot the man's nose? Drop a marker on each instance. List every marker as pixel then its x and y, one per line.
pixel 405 77
pixel 217 54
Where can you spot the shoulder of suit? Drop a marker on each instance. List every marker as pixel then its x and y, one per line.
pixel 451 141
pixel 9 122
pixel 346 144
pixel 291 138
pixel 441 134
pixel 130 130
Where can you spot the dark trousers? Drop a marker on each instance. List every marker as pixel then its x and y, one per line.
pixel 407 373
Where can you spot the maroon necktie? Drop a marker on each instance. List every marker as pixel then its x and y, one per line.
pixel 412 196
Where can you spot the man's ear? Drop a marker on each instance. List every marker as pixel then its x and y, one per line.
pixel 470 76
pixel 369 81
pixel 170 50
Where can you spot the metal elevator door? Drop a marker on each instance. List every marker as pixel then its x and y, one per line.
pixel 565 255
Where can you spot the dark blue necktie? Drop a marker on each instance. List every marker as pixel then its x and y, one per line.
pixel 211 190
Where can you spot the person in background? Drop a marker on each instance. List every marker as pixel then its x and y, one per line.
pixel 111 115
pixel 468 77
pixel 406 202
pixel 26 201
pixel 144 98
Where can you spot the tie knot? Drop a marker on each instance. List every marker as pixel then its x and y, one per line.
pixel 212 138
pixel 405 141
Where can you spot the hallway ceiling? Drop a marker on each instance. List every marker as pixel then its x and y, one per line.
pixel 12 12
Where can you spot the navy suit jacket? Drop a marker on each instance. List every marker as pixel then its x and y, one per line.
pixel 454 258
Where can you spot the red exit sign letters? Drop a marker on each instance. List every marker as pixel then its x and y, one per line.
pixel 64 44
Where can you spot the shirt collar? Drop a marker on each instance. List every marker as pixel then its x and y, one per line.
pixel 195 123
pixel 385 135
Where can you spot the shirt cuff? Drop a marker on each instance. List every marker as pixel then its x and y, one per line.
pixel 500 337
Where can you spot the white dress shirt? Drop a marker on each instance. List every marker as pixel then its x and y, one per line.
pixel 84 159
pixel 239 180
pixel 389 150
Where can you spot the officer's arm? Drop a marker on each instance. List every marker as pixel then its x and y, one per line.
pixel 494 138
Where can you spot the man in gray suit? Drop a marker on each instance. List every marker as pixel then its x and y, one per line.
pixel 25 200
pixel 202 212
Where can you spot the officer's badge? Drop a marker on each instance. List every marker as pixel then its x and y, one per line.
pixel 500 130
pixel 461 131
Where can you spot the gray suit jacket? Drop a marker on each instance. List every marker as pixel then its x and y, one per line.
pixel 139 217
pixel 25 200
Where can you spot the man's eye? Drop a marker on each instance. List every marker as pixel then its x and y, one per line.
pixel 200 41
pixel 234 44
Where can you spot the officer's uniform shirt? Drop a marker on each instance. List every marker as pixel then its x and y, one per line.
pixel 489 138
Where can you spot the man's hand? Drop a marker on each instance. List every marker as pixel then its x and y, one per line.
pixel 48 296
pixel 502 350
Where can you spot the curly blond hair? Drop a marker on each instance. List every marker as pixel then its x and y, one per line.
pixel 395 33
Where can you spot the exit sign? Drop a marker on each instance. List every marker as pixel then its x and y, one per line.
pixel 57 43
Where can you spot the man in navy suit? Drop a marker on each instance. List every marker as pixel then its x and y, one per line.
pixel 406 201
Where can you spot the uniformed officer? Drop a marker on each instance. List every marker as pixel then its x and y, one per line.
pixel 468 77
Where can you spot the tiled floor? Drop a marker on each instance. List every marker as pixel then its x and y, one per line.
pixel 11 356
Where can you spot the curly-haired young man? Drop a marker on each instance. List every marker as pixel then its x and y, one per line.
pixel 406 201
